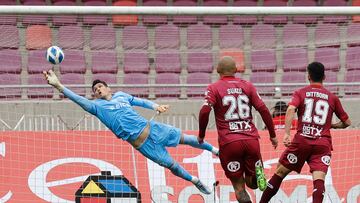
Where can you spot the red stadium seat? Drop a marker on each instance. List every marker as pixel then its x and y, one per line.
pixel 237 55
pixel 125 19
pixel 356 3
pixel 38 37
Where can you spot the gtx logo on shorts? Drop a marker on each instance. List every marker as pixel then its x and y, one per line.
pixel 240 125
pixel 326 160
pixel 233 166
pixel 292 158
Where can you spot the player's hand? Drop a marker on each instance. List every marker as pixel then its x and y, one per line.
pixel 51 78
pixel 287 140
pixel 200 140
pixel 162 108
pixel 274 142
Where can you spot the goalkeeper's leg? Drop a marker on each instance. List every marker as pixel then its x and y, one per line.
pixel 192 141
pixel 179 171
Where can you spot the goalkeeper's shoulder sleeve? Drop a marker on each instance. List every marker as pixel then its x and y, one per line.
pixel 86 104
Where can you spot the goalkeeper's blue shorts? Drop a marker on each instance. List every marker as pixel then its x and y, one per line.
pixel 160 137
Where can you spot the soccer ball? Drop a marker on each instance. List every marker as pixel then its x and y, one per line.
pixel 54 55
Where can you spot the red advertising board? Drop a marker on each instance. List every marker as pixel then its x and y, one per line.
pixel 51 166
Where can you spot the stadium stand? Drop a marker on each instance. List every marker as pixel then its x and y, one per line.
pixel 329 56
pixel 199 62
pixel 38 93
pixel 125 19
pixel 154 19
pixel 231 36
pixel 10 61
pixel 167 78
pixel 10 92
pixel 135 37
pixel 9 41
pixel 74 79
pixel 263 60
pixel 275 19
pixel 197 78
pixel 184 20
pixel 8 19
pixel 35 19
pixel 102 37
pixel 327 35
pixel 36 62
pixel 215 20
pixel 149 46
pixel 168 61
pixel 352 58
pixel 295 59
pixel 136 79
pixel 352 76
pixel 263 36
pixel 59 20
pixel 335 19
pixel 353 34
pixel 136 62
pixel 295 35
pixel 93 19
pixel 245 20
pixel 311 20
pixel 291 77
pixel 38 37
pixel 263 77
pixel 199 36
pixel 71 37
pixel 104 62
pixel 74 63
pixel 167 36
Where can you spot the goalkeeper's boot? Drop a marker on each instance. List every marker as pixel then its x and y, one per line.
pixel 260 176
pixel 203 188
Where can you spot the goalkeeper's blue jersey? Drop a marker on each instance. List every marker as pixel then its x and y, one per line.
pixel 117 114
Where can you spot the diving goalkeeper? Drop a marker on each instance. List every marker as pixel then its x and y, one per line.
pixel 150 138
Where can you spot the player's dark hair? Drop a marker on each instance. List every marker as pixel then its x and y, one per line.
pixel 98 81
pixel 279 109
pixel 316 71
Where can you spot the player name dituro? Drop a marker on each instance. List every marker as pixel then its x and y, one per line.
pixel 234 91
pixel 317 94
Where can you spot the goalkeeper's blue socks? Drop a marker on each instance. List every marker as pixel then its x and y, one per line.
pixel 177 170
pixel 192 141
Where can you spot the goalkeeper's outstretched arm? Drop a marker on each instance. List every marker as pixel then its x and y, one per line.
pixel 53 80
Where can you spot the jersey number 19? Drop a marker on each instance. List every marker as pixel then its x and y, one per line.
pixel 321 111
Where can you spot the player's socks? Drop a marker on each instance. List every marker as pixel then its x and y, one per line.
pixel 192 141
pixel 319 190
pixel 271 189
pixel 260 176
pixel 199 185
pixel 177 170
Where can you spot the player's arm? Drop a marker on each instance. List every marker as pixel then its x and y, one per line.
pixel 136 101
pixel 203 120
pixel 53 80
pixel 341 124
pixel 342 115
pixel 289 116
pixel 260 106
pixel 210 101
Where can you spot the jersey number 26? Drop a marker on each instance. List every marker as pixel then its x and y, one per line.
pixel 239 103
